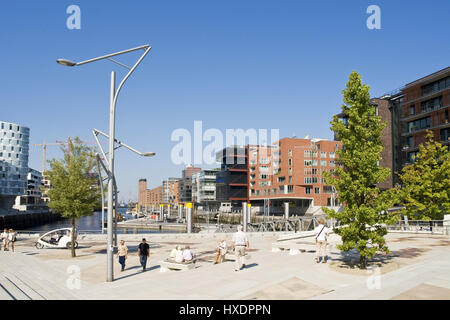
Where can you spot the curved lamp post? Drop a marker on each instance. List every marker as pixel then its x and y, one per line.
pixel 113 99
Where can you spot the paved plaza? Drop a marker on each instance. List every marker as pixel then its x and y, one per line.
pixel 418 267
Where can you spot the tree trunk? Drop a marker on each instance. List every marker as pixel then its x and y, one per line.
pixel 362 261
pixel 73 238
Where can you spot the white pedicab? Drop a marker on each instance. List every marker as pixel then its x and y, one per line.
pixel 58 238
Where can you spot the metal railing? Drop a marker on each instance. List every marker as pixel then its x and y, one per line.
pixel 419 226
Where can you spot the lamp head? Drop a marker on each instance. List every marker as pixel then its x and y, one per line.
pixel 148 154
pixel 66 62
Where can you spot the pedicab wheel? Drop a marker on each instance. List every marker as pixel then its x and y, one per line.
pixel 39 245
pixel 69 245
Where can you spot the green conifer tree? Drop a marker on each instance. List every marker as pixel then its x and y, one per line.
pixel 358 173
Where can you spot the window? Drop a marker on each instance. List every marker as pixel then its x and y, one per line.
pixel 290 162
pixel 281 179
pixel 323 163
pixel 419 124
pixel 310 154
pixel 290 170
pixel 332 155
pixel 308 190
pixel 411 110
pixel 290 179
pixel 316 190
pixel 327 189
pixel 445 134
pixel 411 156
pixel 376 110
pixel 290 153
pixel 290 189
pixel 410 142
pixel 264 176
pixel 310 180
pixel 436 86
pixel 323 154
pixel 274 191
pixel 332 163
pixel 431 104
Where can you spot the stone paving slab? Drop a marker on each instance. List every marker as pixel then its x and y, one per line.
pixel 423 262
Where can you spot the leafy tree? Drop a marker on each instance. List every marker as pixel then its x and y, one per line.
pixel 426 182
pixel 74 193
pixel 364 206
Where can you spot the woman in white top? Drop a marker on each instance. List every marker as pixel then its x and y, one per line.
pixel 321 232
pixel 11 238
pixel 188 255
pixel 179 255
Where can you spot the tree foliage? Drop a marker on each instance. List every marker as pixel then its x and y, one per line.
pixel 364 206
pixel 74 193
pixel 426 182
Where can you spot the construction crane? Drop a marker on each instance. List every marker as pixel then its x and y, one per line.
pixel 44 150
pixel 58 143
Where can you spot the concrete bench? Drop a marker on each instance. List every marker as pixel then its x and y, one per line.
pixel 293 247
pixel 232 257
pixel 172 265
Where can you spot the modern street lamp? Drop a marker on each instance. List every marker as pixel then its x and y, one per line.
pixel 113 99
pixel 100 164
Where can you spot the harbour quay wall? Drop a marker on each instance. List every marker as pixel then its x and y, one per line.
pixel 26 219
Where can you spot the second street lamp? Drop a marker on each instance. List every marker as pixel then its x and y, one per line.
pixel 113 99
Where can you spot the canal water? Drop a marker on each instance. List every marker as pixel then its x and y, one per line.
pixel 91 223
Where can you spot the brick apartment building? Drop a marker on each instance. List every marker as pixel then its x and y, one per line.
pixel 292 172
pixel 425 105
pixel 408 112
pixel 149 199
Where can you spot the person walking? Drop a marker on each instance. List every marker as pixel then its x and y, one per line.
pixel 11 238
pixel 144 253
pixel 321 232
pixel 4 237
pixel 240 243
pixel 122 253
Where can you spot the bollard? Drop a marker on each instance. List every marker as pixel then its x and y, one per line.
pixel 244 215
pixel 189 217
pixel 249 213
pixel 161 212
pixel 168 211
pixel 446 224
pixel 286 210
pixel 179 213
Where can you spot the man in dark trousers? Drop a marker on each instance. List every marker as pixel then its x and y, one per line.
pixel 144 253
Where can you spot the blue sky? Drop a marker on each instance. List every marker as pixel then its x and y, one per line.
pixel 231 64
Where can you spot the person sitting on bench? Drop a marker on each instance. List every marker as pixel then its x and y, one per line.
pixel 188 255
pixel 221 251
pixel 174 252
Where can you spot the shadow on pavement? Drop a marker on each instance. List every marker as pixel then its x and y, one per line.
pixel 139 272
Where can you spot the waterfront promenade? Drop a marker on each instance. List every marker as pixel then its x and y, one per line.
pixel 418 267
